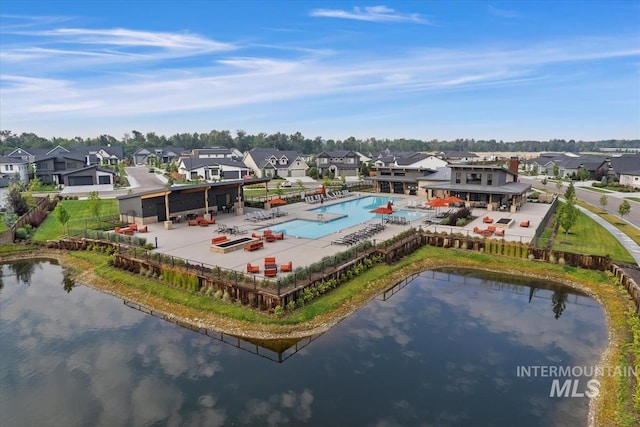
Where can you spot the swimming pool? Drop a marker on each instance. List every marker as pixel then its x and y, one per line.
pixel 356 211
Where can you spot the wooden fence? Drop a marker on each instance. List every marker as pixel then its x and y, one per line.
pixel 9 236
pixel 264 293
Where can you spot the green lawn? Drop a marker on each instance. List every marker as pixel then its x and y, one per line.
pixel 597 190
pixel 3 226
pixel 80 215
pixel 629 230
pixel 635 199
pixel 589 237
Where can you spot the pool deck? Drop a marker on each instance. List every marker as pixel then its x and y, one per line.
pixel 194 243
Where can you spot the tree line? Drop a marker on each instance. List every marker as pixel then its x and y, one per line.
pixel 243 141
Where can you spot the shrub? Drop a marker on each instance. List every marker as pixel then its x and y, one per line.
pixel 279 311
pixel 218 294
pixel 21 233
pixel 291 305
pixel 460 222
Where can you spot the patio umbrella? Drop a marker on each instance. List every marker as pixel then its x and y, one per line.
pixel 438 203
pixel 383 210
pixel 453 199
pixel 277 202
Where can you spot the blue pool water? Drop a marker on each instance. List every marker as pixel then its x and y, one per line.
pixel 357 211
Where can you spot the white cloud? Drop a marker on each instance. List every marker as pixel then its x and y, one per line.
pixel 370 14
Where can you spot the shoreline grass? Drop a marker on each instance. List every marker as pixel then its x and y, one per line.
pixel 617 399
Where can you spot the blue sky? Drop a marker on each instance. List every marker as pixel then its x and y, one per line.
pixel 404 69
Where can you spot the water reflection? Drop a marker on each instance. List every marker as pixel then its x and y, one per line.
pixel 277 350
pixel 440 351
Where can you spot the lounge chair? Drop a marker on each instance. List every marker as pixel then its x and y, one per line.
pixel 286 267
pixel 253 268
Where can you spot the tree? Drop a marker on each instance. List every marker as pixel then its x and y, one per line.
pixel 556 171
pixel 604 200
pixel 624 208
pixel 95 203
pixel 62 215
pixel 568 215
pixel 583 174
pixel 35 185
pixel 544 182
pixel 570 192
pixel 558 302
pixel 559 185
pixel 16 200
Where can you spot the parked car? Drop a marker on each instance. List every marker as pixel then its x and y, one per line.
pixel 285 184
pixel 151 170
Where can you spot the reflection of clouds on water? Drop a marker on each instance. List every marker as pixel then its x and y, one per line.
pixel 154 400
pixel 535 326
pixel 97 383
pixel 278 409
pixel 39 308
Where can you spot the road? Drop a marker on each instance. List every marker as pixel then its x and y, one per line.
pixel 593 198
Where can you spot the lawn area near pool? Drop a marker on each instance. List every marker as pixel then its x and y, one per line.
pixel 79 212
pixel 589 237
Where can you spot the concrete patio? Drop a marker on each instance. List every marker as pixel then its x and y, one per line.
pixel 193 242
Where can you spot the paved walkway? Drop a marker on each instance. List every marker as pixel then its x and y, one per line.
pixel 625 240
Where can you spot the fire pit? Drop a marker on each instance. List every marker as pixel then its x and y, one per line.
pixel 504 223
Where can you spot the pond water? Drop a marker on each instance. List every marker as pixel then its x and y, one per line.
pixel 440 349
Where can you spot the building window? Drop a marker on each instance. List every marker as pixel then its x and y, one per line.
pixel 458 177
pixel 474 179
pixel 324 160
pixel 351 160
pixel 490 179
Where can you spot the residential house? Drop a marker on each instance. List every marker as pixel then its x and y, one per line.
pixel 165 155
pixel 458 156
pixel 402 173
pixel 212 169
pixel 13 169
pixel 484 185
pixel 614 167
pixel 631 179
pixel 338 163
pixel 48 168
pixel 213 153
pixel 267 162
pixel 88 175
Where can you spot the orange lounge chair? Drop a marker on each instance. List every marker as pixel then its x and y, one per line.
pixel 491 228
pixel 477 229
pixel 269 260
pixel 256 236
pixel 487 220
pixel 286 267
pixel 500 232
pixel 142 229
pixel 253 268
pixel 270 272
pixel 524 223
pixel 133 227
pixel 279 236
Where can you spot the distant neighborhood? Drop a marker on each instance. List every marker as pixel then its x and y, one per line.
pixel 412 172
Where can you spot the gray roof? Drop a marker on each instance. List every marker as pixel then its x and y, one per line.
pixel 441 174
pixel 71 172
pixel 336 153
pixel 192 186
pixel 508 188
pixel 13 160
pixel 625 163
pixel 200 162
